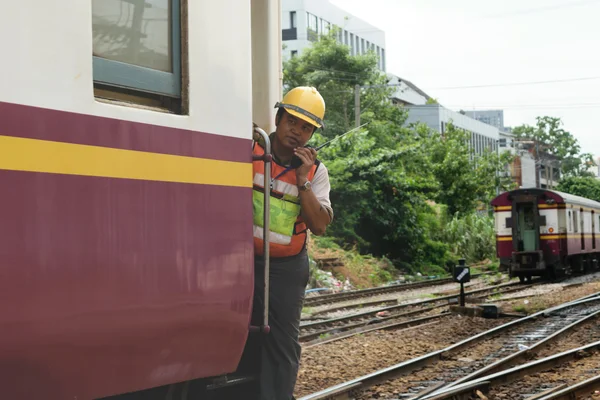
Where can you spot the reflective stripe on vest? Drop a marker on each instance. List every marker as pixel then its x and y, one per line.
pixel 287 230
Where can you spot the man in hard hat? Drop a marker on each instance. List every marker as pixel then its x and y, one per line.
pixel 299 202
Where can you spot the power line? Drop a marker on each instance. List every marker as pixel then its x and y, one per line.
pixel 519 83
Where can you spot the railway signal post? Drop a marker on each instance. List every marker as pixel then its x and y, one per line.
pixel 462 275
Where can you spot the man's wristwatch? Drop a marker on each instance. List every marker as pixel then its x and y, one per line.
pixel 306 187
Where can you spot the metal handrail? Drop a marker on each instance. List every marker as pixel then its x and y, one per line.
pixel 266 158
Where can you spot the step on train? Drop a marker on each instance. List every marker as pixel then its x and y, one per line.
pixel 546 233
pixel 126 228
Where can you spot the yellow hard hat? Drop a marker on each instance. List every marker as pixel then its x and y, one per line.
pixel 305 103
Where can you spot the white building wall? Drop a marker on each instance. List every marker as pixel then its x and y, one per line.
pixel 527 171
pixel 405 93
pixel 359 35
pixel 426 114
pixel 483 136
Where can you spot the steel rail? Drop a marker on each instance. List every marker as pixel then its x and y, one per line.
pixel 410 365
pixel 517 357
pixel 337 297
pixel 576 391
pixel 325 324
pixel 515 373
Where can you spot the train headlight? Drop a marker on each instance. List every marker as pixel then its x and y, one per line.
pixel 550 230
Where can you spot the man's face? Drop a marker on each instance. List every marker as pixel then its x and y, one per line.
pixel 293 132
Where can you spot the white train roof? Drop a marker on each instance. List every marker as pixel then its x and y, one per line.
pixel 578 200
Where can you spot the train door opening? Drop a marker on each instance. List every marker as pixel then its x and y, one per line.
pixel 593 230
pixel 527 230
pixel 581 222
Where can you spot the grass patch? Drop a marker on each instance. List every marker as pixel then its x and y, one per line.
pixel 530 306
pixel 363 271
pixel 307 310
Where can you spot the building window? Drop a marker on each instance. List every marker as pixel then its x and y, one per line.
pixel 136 46
pixel 362 46
pixel 352 49
pixel 312 26
pixel 312 22
pixel 326 27
pixel 292 19
pixel 345 37
pixel 294 53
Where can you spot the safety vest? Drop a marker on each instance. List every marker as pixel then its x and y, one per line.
pixel 287 231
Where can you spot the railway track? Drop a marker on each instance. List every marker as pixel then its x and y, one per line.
pixel 571 374
pixel 458 367
pixel 356 294
pixel 400 314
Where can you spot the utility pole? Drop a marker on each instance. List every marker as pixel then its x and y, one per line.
pixel 357 105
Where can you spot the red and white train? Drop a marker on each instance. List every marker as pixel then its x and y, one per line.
pixel 546 233
pixel 126 244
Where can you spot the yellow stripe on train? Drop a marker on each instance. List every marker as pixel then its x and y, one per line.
pixel 33 155
pixel 540 206
pixel 552 237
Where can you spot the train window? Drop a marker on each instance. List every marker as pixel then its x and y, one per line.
pixel 542 220
pixel 137 49
pixel 575 227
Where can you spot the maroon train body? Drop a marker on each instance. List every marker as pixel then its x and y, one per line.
pixel 126 226
pixel 546 233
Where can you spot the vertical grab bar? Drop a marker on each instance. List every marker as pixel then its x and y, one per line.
pixel 266 158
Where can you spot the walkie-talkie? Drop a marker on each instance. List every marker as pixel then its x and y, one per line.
pixel 297 162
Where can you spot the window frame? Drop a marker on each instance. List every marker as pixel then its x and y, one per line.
pixel 119 74
pixel 293 20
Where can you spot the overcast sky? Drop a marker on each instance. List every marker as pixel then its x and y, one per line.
pixel 439 44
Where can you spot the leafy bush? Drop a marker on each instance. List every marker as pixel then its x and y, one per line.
pixel 471 237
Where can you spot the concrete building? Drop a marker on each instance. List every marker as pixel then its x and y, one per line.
pixel 490 117
pixel 534 170
pixel 302 21
pixel 437 117
pixel 407 93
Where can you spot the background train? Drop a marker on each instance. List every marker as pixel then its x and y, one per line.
pixel 126 245
pixel 546 233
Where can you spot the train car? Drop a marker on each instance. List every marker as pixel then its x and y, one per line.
pixel 546 233
pixel 126 242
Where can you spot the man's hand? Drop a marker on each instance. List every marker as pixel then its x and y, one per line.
pixel 315 216
pixel 308 157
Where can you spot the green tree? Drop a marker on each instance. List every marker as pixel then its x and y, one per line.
pixel 588 187
pixel 549 138
pixel 329 66
pixel 378 195
pixel 465 179
pixel 391 184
